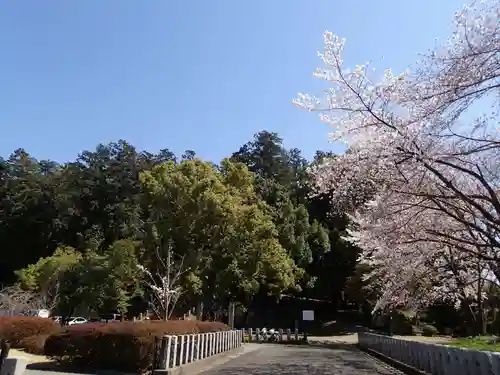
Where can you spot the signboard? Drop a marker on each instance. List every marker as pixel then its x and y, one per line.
pixel 308 315
pixel 43 313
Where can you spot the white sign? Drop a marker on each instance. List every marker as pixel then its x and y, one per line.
pixel 43 313
pixel 308 315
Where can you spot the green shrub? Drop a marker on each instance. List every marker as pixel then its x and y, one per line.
pixel 429 330
pixel 17 328
pixel 401 324
pixel 124 346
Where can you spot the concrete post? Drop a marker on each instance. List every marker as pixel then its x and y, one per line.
pixel 198 347
pixel 168 355
pixel 174 352
pixel 211 344
pixel 193 341
pixel 181 352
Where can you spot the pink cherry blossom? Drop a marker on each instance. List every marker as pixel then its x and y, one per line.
pixel 421 179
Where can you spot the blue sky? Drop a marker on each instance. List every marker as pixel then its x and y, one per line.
pixel 202 75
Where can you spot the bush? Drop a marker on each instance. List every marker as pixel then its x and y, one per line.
pixel 429 330
pixel 402 324
pixel 17 328
pixel 124 346
pixel 34 344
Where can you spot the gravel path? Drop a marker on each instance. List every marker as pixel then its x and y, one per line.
pixel 303 360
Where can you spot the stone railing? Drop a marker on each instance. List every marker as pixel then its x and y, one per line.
pixel 281 335
pixel 432 358
pixel 176 351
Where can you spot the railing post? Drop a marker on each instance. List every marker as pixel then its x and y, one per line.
pixel 191 357
pixel 174 352
pixel 250 335
pixel 181 352
pixel 257 334
pixel 199 343
pixel 288 334
pixel 296 334
pixel 205 346
pixel 280 331
pixel 168 354
pixel 163 359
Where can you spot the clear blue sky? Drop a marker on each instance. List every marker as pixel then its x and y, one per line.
pixel 202 75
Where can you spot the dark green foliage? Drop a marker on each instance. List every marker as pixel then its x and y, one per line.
pixel 429 330
pixel 96 207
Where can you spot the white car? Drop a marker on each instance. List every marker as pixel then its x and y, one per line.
pixel 77 320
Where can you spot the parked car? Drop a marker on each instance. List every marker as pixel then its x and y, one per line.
pixel 77 320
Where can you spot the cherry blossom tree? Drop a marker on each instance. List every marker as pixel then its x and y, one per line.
pixel 421 179
pixel 164 283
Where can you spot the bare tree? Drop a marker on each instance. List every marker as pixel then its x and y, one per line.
pixel 14 301
pixel 164 283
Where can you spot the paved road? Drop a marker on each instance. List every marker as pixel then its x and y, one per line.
pixel 297 360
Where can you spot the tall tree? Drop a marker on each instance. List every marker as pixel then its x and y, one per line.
pixel 434 169
pixel 217 225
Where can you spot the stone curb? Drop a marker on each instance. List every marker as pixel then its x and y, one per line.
pixel 403 367
pixel 202 365
pixel 14 366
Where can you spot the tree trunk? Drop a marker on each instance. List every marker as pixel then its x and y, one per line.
pixel 230 314
pixel 199 310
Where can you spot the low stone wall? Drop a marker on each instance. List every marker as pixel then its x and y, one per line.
pixel 177 351
pixel 432 358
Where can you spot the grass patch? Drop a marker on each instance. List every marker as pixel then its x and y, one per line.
pixel 485 343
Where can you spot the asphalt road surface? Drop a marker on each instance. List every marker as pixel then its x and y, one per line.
pixel 303 360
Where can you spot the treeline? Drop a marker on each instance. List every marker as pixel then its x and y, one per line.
pixel 103 232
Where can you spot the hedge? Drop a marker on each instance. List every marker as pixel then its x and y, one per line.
pixel 120 346
pixel 17 328
pixel 34 344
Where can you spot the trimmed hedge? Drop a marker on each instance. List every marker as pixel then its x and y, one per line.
pixel 429 330
pixel 120 346
pixel 34 344
pixel 17 328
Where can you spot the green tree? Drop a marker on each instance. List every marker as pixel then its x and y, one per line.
pixel 45 276
pixel 282 183
pixel 101 282
pixel 219 227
